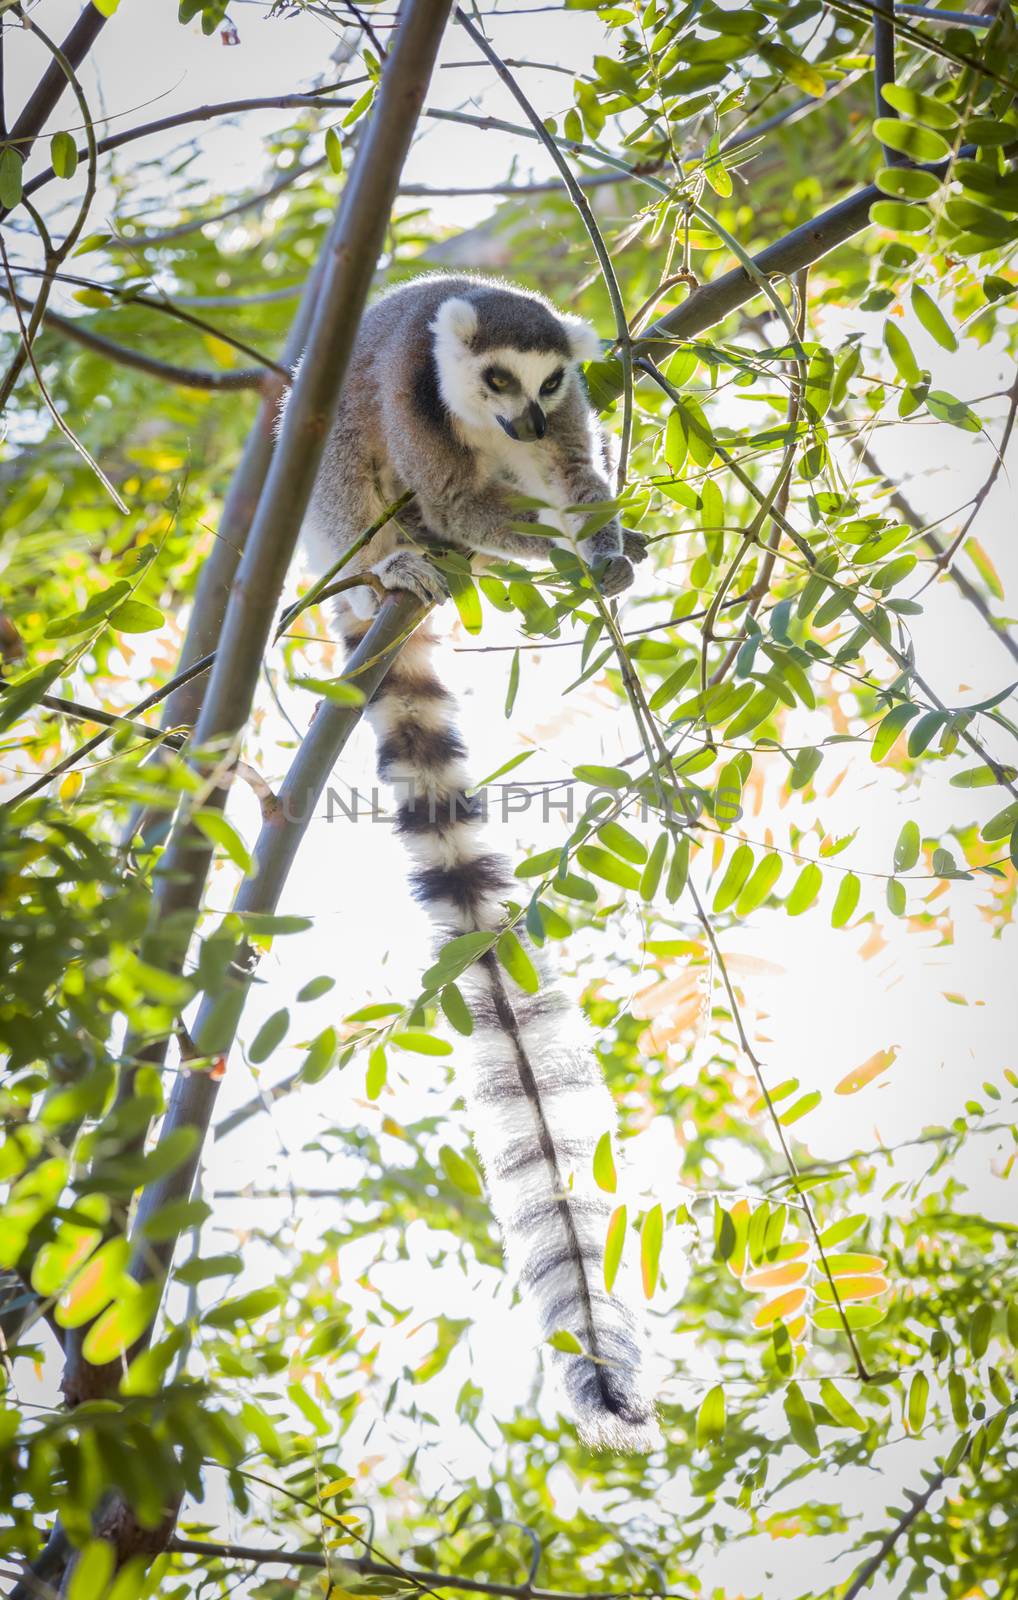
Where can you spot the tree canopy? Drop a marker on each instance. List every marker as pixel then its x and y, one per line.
pixel 255 1327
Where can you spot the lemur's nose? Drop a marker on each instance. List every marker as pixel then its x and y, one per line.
pixel 529 425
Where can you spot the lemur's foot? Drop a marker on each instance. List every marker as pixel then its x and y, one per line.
pixel 615 575
pixel 634 545
pixel 413 574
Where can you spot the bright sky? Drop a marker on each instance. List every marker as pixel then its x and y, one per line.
pixel 824 1001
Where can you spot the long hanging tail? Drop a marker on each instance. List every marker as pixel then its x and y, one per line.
pixel 535 1092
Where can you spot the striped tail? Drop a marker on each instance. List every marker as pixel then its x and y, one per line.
pixel 535 1092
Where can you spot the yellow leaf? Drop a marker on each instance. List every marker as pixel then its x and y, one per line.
pixel 851 1289
pixel 223 354
pixel 784 1306
pixel 776 1277
pixel 859 1077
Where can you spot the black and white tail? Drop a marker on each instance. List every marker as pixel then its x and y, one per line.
pixel 534 1088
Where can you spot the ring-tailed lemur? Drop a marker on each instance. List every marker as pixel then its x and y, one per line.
pixel 467 392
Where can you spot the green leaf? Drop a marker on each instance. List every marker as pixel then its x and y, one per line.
pixel 804 890
pixel 736 874
pixel 1001 825
pixel 846 900
pixel 800 1420
pixel 841 1409
pixel 980 1324
pixel 838 1232
pixel 456 1009
pixel 123 1322
pixel 946 408
pixel 566 1342
pixel 801 1107
pixel 607 866
pixel 359 107
pixel 622 842
pixel 792 67
pixel 760 884
pixel 321 1056
pixel 678 872
pixel 316 988
pixel 460 1172
pixel 243 1308
pixel 899 216
pixel 714 169
pixel 465 598
pixel 334 150
pixel 654 868
pixel 223 834
pixel 605 1175
pixel 908 183
pixel 94 1286
pixel 11 168
pixel 932 318
pixel 514 683
pixel 924 732
pixel 92 1572
pixel 63 155
pixel 378 1069
pixel 651 1238
pixel 420 1043
pixel 918 107
pixel 517 963
pixel 337 690
pixel 900 352
pixel 271 1034
pixel 603 777
pixel 858 1318
pixel 710 1419
pixel 891 727
pixel 906 851
pixel 133 616
pixel 911 139
pixel 613 1246
pixel 918 1395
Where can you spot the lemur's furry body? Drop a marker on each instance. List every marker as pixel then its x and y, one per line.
pixel 419 413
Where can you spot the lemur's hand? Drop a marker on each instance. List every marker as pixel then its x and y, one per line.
pixel 634 545
pixel 614 575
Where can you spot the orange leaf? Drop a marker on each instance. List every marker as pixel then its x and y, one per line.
pixel 776 1277
pixel 851 1289
pixel 859 1077
pixel 784 1306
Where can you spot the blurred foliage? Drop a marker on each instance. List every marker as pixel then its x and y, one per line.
pixel 252 1391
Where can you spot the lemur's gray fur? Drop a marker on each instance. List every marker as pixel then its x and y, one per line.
pixel 466 392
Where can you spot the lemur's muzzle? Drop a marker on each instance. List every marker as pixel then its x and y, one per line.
pixel 529 425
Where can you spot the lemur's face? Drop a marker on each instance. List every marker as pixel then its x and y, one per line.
pixel 506 390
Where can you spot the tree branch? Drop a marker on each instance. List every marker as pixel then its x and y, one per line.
pixel 713 302
pixel 348 265
pixel 229 379
pixel 430 1580
pixel 883 68
pixel 43 99
pixel 282 832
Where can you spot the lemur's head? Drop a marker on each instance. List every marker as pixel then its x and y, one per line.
pixel 505 360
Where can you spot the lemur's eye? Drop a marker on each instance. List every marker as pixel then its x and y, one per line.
pixel 497 380
pixel 551 383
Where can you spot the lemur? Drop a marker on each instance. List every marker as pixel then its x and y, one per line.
pixel 467 392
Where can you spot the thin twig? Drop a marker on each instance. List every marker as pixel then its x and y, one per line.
pixel 786 1149
pixel 586 215
pixel 433 1580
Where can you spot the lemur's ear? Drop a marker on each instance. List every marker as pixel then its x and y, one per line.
pixel 583 339
pixel 456 320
